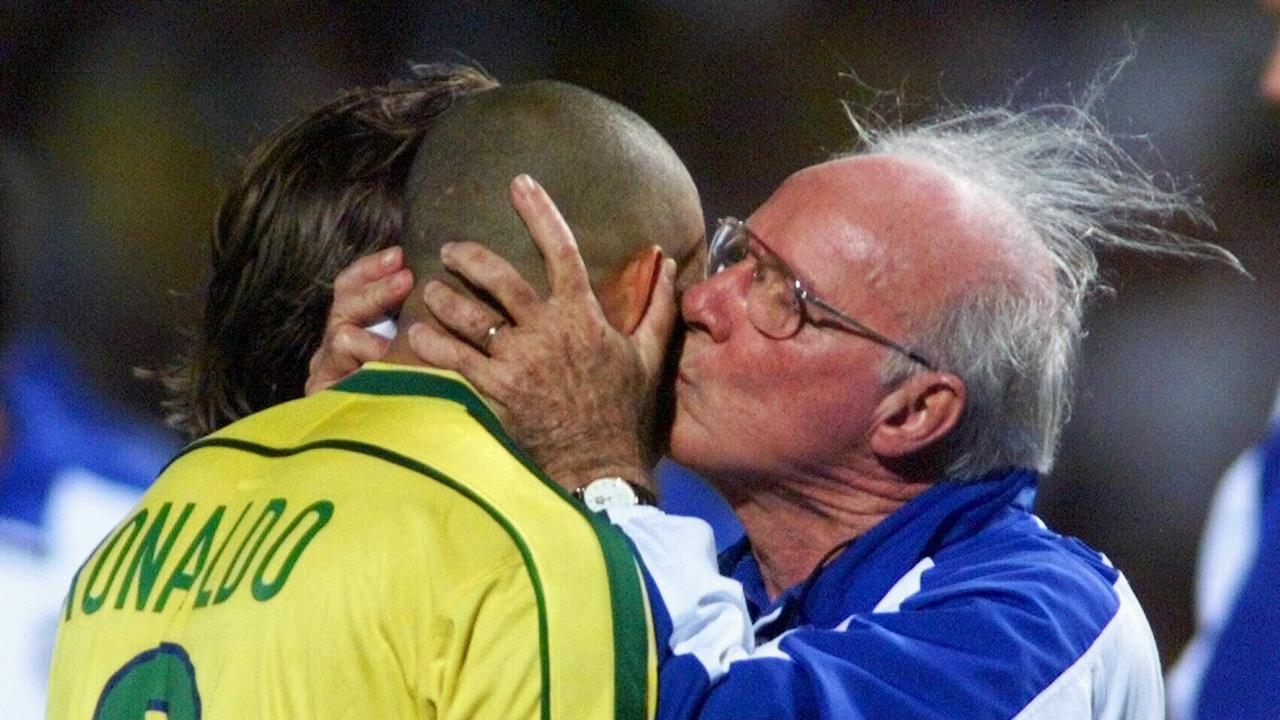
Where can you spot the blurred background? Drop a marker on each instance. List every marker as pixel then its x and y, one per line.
pixel 122 120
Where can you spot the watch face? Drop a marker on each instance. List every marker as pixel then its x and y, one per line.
pixel 608 492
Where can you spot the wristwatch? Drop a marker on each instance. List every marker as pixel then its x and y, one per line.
pixel 609 492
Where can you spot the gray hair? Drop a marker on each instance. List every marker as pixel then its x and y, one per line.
pixel 1074 190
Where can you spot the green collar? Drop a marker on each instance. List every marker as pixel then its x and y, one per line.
pixel 387 379
pixel 378 378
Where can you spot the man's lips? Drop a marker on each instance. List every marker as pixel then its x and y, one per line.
pixel 687 372
pixel 684 385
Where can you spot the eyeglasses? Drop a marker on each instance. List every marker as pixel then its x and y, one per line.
pixel 778 304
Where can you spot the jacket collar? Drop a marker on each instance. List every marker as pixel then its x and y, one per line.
pixel 859 575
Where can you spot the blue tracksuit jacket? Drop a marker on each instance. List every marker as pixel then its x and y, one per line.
pixel 961 604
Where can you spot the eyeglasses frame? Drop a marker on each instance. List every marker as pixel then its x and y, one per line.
pixel 804 296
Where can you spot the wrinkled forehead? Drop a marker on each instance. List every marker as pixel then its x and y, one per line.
pixel 862 204
pixel 826 226
pixel 899 223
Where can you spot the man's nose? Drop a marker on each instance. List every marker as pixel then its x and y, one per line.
pixel 717 303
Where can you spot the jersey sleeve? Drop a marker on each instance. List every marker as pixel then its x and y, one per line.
pixel 701 621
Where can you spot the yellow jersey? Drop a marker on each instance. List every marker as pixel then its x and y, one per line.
pixel 382 549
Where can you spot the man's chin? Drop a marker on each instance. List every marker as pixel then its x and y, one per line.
pixel 686 447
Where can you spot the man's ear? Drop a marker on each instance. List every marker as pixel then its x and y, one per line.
pixel 625 294
pixel 918 414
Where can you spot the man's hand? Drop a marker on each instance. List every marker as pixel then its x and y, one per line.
pixel 369 288
pixel 574 392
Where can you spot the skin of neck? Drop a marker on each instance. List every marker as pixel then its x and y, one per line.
pixel 414 310
pixel 793 521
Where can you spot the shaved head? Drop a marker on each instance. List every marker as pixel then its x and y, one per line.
pixel 618 184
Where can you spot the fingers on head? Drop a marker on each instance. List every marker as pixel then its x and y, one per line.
pixel 361 301
pixel 367 268
pixel 475 262
pixel 463 315
pixel 442 350
pixel 569 274
pixel 387 294
pixel 539 212
pixel 491 273
pixel 352 346
pixel 551 234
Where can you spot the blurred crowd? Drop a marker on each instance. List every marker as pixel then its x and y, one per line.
pixel 122 122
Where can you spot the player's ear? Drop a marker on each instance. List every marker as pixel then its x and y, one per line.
pixel 625 295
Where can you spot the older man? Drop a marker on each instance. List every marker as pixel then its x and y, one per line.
pixel 875 375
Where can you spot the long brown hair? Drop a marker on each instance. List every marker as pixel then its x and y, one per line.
pixel 319 192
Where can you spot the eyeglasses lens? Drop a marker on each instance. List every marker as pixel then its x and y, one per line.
pixel 772 305
pixel 728 247
pixel 771 302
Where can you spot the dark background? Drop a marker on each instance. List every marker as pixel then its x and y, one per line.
pixel 121 121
